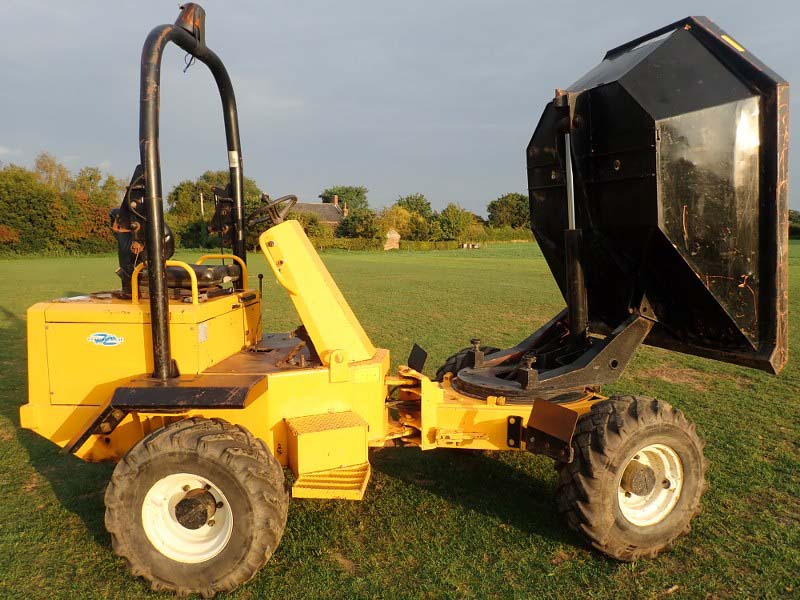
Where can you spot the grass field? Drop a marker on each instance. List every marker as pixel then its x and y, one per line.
pixel 442 524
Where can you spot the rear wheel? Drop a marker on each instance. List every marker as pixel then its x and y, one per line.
pixel 458 361
pixel 637 477
pixel 197 507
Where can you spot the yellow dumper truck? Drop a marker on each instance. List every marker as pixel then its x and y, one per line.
pixel 658 197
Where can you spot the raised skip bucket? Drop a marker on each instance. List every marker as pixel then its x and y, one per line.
pixel 680 149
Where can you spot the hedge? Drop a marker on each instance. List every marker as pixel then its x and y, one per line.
pixel 328 243
pixel 420 245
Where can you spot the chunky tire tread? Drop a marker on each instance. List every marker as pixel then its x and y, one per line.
pixel 457 361
pixel 246 458
pixel 586 489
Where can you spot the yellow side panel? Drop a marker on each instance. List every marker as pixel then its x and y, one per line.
pixel 38 385
pixel 328 318
pixel 303 392
pixel 475 424
pixel 87 360
pixel 326 441
pixel 218 338
pixel 84 362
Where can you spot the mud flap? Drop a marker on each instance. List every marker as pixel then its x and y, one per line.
pixel 550 429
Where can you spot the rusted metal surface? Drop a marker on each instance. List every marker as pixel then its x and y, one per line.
pixel 549 430
pixel 780 355
pixel 276 352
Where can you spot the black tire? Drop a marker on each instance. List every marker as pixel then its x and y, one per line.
pixel 458 361
pixel 244 470
pixel 605 440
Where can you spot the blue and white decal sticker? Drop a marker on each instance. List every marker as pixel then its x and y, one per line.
pixel 105 339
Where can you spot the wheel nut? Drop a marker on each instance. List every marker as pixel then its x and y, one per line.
pixel 666 484
pixel 219 504
pixel 211 523
pixel 186 488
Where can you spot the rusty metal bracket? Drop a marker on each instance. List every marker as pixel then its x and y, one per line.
pixel 550 430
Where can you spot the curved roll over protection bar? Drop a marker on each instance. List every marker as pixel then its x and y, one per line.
pixel 188 33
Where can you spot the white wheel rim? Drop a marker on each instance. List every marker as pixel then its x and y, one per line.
pixel 655 506
pixel 172 539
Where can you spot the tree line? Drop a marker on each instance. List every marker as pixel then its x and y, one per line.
pixel 413 217
pixel 49 209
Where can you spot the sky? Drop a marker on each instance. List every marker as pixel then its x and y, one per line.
pixel 432 96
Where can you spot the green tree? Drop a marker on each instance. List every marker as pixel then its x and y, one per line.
pixel 360 223
pixel 110 193
pixel 30 211
pixel 184 199
pixel 455 222
pixel 88 180
pixel 51 172
pixel 397 218
pixel 416 203
pixel 186 219
pixel 47 209
pixel 794 224
pixel 509 210
pixel 104 193
pixel 354 196
pixel 419 228
pixel 311 224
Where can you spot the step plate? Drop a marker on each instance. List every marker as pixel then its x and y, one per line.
pixel 344 483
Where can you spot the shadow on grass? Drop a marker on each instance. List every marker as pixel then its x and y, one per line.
pixel 78 486
pixel 481 482
pixel 477 481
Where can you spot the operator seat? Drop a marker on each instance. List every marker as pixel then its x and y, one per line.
pixel 207 276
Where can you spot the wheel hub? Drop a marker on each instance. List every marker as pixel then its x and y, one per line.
pixel 187 518
pixel 196 508
pixel 638 478
pixel 651 485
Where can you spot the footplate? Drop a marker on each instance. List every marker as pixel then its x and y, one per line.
pixel 344 483
pixel 550 430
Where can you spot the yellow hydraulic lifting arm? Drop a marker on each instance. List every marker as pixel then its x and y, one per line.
pixel 328 318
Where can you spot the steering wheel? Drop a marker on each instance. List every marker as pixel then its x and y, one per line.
pixel 273 211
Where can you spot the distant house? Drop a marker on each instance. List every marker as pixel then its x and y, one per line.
pixel 329 213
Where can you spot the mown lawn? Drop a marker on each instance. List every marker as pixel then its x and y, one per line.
pixel 439 524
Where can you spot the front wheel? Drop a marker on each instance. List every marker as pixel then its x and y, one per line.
pixel 637 477
pixel 197 507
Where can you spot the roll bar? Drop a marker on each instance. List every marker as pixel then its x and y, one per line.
pixel 188 33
